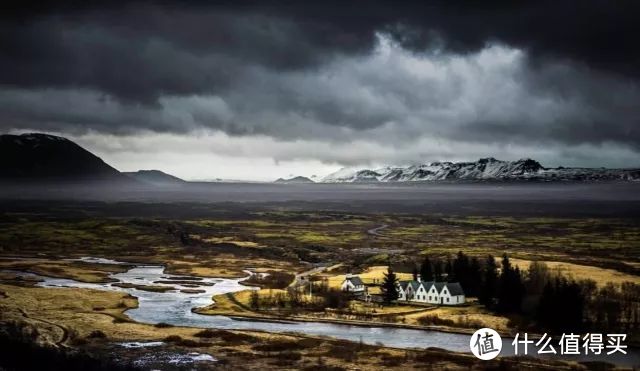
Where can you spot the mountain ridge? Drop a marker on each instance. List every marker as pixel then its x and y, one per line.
pixel 44 157
pixel 156 177
pixel 484 169
pixel 294 180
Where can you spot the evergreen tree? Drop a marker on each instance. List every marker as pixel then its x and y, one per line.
pixel 573 302
pixel 437 270
pixel 546 305
pixel 561 306
pixel 462 271
pixel 389 286
pixel 474 278
pixel 448 268
pixel 415 273
pixel 489 282
pixel 537 277
pixel 518 291
pixel 426 270
pixel 511 289
pixel 504 287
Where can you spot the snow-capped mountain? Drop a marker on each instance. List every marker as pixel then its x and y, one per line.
pixel 483 169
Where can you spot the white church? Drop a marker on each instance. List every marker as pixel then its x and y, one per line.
pixel 353 283
pixel 430 292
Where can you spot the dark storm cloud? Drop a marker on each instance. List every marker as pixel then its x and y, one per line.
pixel 143 50
pixel 534 72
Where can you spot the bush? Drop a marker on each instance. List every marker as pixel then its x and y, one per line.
pixel 431 320
pixel 163 325
pixel 230 338
pixel 177 340
pixel 122 304
pixel 284 345
pixel 391 361
pixel 290 355
pixel 324 368
pixel 274 280
pixel 208 333
pixel 97 334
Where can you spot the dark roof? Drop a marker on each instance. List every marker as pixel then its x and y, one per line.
pixel 427 284
pixel 455 288
pixel 355 280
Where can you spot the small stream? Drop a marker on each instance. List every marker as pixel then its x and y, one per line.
pixel 174 307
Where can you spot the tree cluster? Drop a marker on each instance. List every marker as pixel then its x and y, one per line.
pixel 293 299
pixel 565 304
pixel 551 300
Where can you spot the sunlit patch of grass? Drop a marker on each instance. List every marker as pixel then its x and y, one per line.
pixel 232 240
pixel 583 272
pixel 78 271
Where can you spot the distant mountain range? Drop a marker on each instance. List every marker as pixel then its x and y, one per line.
pixel 43 157
pixel 295 180
pixel 156 177
pixel 485 169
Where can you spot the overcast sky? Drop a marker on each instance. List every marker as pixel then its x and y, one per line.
pixel 260 90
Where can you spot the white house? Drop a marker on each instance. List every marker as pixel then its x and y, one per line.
pixel 451 294
pixel 442 293
pixel 353 284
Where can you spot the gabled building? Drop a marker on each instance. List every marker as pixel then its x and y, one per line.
pixel 452 294
pixel 353 283
pixel 430 292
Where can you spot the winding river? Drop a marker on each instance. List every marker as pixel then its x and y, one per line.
pixel 174 307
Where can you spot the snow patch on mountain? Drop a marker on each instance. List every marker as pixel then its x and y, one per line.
pixel 483 169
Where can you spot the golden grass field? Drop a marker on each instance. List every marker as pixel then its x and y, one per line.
pixel 605 250
pixel 601 276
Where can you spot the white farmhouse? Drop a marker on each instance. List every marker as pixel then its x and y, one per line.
pixel 353 284
pixel 451 294
pixel 442 293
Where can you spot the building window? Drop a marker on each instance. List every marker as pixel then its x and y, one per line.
pixel 447 300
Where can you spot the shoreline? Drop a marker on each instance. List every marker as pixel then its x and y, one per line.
pixel 293 319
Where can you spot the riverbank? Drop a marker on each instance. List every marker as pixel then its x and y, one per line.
pixel 174 310
pixel 74 318
pixel 258 316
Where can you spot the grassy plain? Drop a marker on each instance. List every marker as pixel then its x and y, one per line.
pixel 224 244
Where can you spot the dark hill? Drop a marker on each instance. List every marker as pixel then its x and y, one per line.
pixel 156 177
pixel 297 180
pixel 43 157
